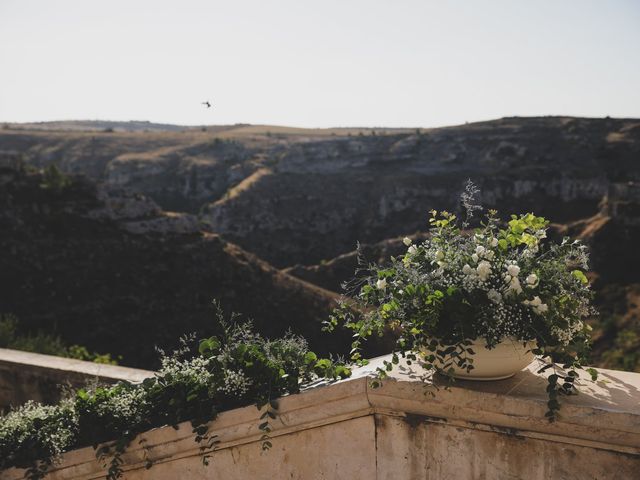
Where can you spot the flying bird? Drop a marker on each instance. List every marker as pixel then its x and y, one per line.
pixel 207 103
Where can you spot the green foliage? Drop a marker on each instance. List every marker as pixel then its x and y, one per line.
pixel 45 343
pixel 498 281
pixel 625 354
pixel 234 369
pixel 53 179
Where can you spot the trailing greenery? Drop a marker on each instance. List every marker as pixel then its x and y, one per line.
pixel 45 343
pixel 202 378
pixel 497 282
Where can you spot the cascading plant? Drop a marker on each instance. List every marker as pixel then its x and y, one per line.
pixel 237 368
pixel 462 287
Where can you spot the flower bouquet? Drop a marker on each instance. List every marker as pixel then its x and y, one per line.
pixel 479 303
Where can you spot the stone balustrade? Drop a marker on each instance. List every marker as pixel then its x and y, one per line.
pixel 32 376
pixel 349 430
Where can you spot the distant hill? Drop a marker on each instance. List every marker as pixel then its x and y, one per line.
pixel 111 271
pixel 302 195
pixel 97 125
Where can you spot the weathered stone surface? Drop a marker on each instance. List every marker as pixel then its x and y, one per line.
pixel 480 430
pixel 32 376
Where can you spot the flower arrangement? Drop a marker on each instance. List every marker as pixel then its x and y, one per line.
pixel 496 282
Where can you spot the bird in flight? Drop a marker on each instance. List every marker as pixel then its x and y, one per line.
pixel 207 103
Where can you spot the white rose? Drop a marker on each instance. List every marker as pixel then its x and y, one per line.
pixel 381 284
pixel 480 250
pixel 484 270
pixel 514 286
pixel 494 296
pixel 537 305
pixel 535 302
pixel 532 279
pixel 494 242
pixel 513 270
pixel 474 257
pixel 412 250
pixel 406 241
pixel 467 270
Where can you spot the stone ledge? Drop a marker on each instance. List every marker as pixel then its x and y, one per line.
pixel 601 424
pixel 33 376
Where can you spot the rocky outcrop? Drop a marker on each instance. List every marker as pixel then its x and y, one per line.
pixel 323 196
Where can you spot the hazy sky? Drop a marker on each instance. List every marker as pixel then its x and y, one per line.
pixel 318 63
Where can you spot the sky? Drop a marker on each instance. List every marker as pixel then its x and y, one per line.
pixel 325 63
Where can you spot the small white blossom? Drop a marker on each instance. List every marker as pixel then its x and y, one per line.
pixel 532 280
pixel 406 241
pixel 489 254
pixel 480 250
pixel 439 255
pixel 474 257
pixel 484 270
pixel 513 270
pixel 494 242
pixel 513 285
pixel 412 250
pixel 537 305
pixel 494 296
pixel 381 284
pixel 467 270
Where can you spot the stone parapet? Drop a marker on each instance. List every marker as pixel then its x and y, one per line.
pixel 32 376
pixel 349 430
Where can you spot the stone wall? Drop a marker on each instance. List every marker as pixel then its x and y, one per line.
pixel 32 376
pixel 348 430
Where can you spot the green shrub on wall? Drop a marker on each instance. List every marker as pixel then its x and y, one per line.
pixel 194 383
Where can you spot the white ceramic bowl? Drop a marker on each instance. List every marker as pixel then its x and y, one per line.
pixel 503 361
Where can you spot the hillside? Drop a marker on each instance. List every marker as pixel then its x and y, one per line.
pixel 300 199
pixel 110 270
pixel 302 196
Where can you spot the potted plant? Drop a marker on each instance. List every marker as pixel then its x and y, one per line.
pixel 479 303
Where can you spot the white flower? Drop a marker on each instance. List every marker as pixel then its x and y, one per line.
pixel 537 305
pixel 489 254
pixel 532 280
pixel 406 241
pixel 484 270
pixel 494 296
pixel 439 255
pixel 412 250
pixel 513 285
pixel 494 242
pixel 513 270
pixel 541 234
pixel 480 250
pixel 467 270
pixel 381 284
pixel 474 257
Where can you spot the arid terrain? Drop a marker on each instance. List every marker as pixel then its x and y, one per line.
pixel 156 220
